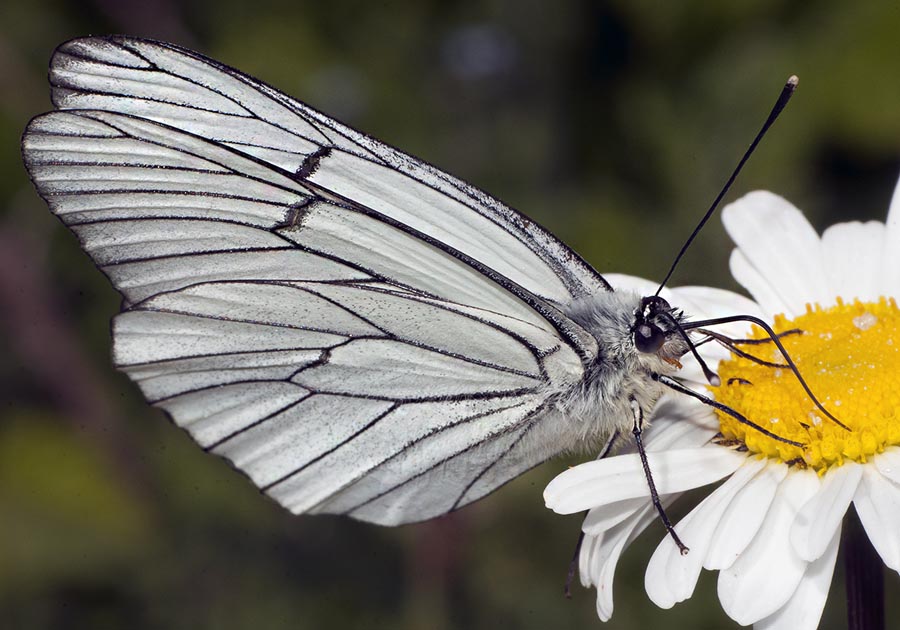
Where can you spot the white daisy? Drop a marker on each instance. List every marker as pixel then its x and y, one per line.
pixel 773 526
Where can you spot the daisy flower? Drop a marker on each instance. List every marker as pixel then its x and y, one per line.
pixel 772 527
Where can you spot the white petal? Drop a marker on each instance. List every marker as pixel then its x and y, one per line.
pixel 781 245
pixel 671 577
pixel 600 555
pixel 607 516
pixel 891 262
pixel 768 572
pixel 744 516
pixel 877 502
pixel 822 515
pixel 804 610
pixel 852 259
pixel 691 374
pixel 888 463
pixel 587 559
pixel 757 284
pixel 708 302
pixel 679 423
pixel 590 545
pixel 640 286
pixel 622 477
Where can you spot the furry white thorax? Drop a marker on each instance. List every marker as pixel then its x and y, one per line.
pixel 601 403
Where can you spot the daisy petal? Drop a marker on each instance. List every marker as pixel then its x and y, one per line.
pixel 640 286
pixel 590 547
pixel 608 516
pixel 804 610
pixel 691 374
pixel 821 516
pixel 679 423
pixel 757 284
pixel 767 573
pixel 781 245
pixel 708 302
pixel 622 477
pixel 602 555
pixel 888 464
pixel 877 503
pixel 671 576
pixel 891 264
pixel 744 516
pixel 852 258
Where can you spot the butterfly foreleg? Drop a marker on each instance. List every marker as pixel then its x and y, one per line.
pixel 638 430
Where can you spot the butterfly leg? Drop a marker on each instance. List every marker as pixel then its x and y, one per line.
pixel 573 564
pixel 638 431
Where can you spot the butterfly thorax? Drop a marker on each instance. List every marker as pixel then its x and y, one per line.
pixel 601 403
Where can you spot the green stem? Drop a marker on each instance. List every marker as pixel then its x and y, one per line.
pixel 864 577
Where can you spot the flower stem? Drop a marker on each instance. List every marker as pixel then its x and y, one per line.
pixel 864 577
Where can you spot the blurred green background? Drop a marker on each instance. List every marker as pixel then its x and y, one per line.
pixel 611 123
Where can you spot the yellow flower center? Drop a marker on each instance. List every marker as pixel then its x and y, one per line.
pixel 849 355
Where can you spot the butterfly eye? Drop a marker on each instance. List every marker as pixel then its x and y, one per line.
pixel 648 338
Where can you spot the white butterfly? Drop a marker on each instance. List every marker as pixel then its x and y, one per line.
pixel 357 331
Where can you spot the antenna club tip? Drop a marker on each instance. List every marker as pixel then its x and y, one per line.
pixel 793 81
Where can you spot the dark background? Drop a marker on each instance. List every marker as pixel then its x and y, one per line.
pixel 611 123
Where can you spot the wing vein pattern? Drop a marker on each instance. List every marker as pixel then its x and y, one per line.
pixel 355 330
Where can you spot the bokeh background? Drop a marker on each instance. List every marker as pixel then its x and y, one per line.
pixel 611 123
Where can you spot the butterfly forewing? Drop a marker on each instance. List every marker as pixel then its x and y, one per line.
pixel 357 331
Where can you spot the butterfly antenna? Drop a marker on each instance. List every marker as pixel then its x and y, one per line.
pixel 783 99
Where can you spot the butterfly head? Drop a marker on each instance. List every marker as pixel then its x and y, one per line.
pixel 656 329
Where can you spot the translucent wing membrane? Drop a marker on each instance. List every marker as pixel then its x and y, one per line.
pixel 180 88
pixel 355 330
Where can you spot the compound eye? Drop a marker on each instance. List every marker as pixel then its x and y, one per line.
pixel 648 338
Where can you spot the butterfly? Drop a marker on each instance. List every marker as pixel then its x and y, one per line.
pixel 357 331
